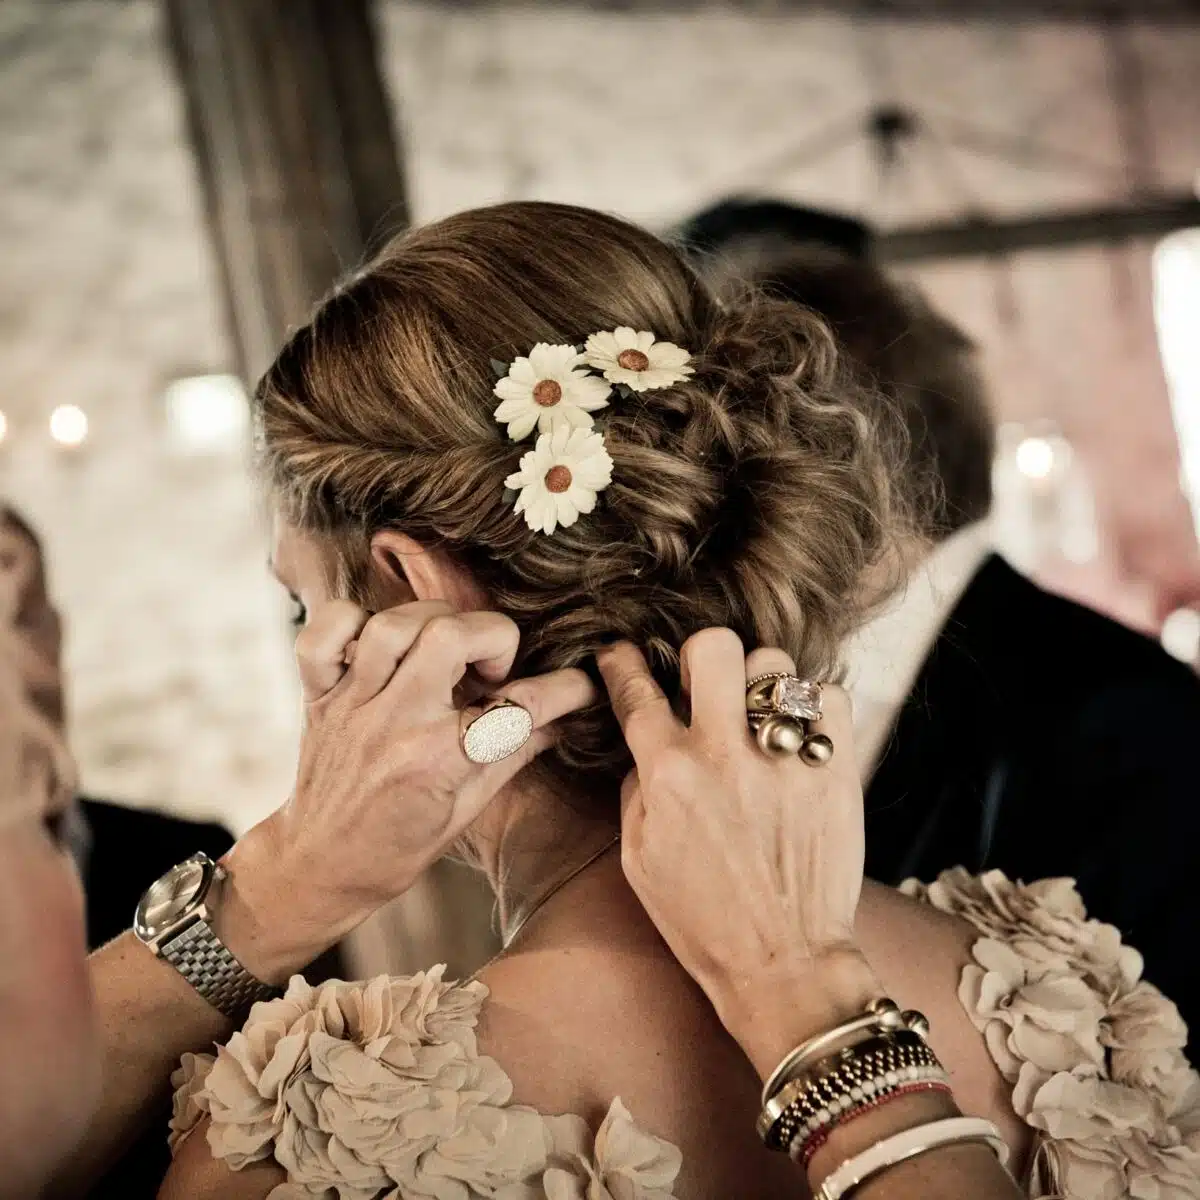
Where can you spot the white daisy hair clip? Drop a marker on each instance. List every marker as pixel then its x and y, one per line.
pixel 637 359
pixel 555 389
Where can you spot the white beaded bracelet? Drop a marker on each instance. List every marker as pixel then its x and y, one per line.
pixel 909 1144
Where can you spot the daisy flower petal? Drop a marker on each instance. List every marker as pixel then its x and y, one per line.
pixel 637 359
pixel 548 387
pixel 561 478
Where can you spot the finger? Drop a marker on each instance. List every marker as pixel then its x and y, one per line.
pixel 384 643
pixel 546 698
pixel 769 660
pixel 553 695
pixel 641 709
pixel 714 665
pixel 449 644
pixel 321 646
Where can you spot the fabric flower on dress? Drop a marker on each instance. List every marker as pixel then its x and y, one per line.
pixel 1094 1053
pixel 188 1102
pixel 624 1163
pixel 376 1091
pixel 561 478
pixel 1043 921
pixel 637 359
pixel 1146 1038
pixel 548 389
pixel 1031 1012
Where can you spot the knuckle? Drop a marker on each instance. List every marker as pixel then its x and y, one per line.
pixel 385 625
pixel 442 632
pixel 633 694
pixel 672 770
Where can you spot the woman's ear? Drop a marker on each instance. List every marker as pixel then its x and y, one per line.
pixel 404 570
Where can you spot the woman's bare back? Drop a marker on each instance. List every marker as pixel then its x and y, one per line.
pixel 594 1006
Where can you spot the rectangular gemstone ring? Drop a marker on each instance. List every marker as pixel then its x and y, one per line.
pixel 786 695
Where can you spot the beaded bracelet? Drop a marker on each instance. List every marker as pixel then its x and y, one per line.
pixel 805 1146
pixel 866 1052
pixel 882 1016
pixel 852 1076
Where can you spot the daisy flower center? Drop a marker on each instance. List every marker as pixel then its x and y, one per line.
pixel 632 360
pixel 558 479
pixel 547 393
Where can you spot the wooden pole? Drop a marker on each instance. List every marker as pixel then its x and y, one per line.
pixel 296 151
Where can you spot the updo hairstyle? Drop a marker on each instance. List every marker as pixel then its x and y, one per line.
pixel 760 494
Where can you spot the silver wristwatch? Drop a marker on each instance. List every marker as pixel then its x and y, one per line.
pixel 173 920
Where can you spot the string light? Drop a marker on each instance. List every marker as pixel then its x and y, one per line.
pixel 69 425
pixel 1035 458
pixel 1181 635
pixel 207 412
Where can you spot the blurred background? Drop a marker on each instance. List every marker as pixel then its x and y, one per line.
pixel 180 180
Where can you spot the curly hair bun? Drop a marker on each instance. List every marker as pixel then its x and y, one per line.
pixel 760 493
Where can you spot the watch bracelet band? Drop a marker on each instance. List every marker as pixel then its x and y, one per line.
pixel 206 963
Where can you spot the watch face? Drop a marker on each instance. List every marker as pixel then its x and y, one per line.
pixel 169 898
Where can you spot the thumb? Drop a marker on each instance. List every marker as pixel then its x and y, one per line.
pixel 322 645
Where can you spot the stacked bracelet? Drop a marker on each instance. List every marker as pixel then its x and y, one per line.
pixel 808 1141
pixel 841 1075
pixel 855 1076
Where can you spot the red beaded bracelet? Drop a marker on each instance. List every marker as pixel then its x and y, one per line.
pixel 821 1136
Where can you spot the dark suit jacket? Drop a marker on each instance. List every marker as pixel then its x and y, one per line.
pixel 1046 740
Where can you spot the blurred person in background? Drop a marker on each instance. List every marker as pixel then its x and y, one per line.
pixel 988 708
pixel 116 847
pixel 49 1038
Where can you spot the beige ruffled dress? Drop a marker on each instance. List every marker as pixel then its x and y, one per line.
pixel 363 1091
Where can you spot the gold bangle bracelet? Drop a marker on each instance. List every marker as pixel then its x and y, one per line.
pixel 879 1060
pixel 883 1015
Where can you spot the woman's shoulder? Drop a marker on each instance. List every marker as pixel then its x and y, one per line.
pixel 379 1088
pixel 1093 1053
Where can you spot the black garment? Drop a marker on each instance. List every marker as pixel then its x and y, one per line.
pixel 129 849
pixel 1046 740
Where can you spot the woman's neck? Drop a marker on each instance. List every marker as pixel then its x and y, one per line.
pixel 531 844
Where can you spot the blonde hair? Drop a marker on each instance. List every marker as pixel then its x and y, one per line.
pixel 759 494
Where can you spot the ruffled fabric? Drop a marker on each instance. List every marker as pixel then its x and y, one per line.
pixel 377 1090
pixel 1095 1054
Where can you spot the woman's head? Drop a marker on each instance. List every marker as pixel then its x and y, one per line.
pixel 756 494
